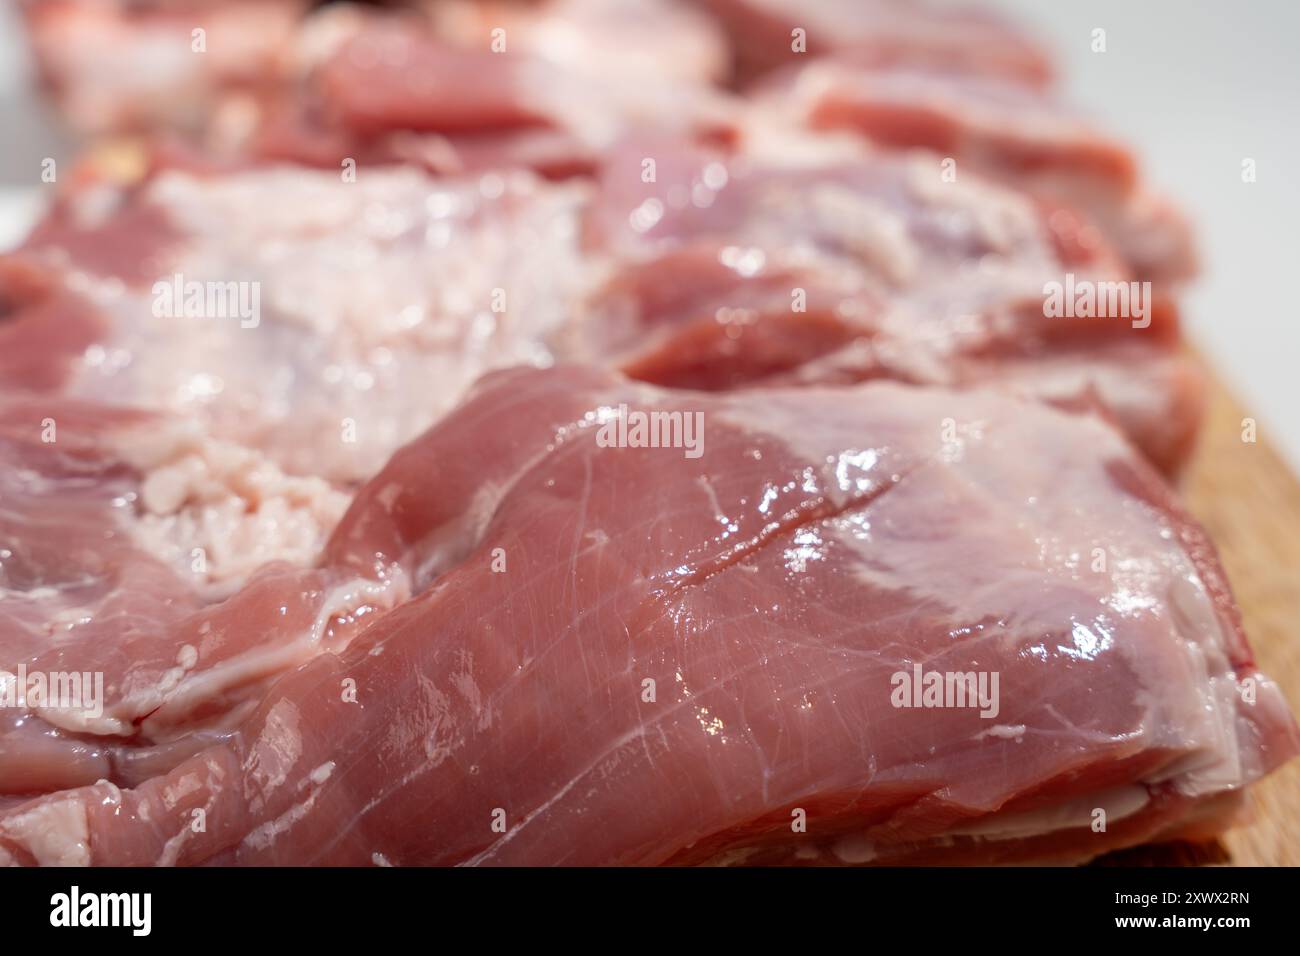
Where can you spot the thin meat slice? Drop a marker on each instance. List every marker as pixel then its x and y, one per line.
pixel 737 269
pixel 629 654
pixel 1019 135
pixel 389 77
pixel 390 90
pixel 177 574
pixel 453 86
pixel 396 77
pixel 469 88
pixel 769 34
pixel 608 39
pixel 514 64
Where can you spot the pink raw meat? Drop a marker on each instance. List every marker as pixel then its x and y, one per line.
pixel 771 589
pixel 455 87
pixel 1019 135
pixel 330 636
pixel 104 509
pixel 903 275
pixel 880 33
pixel 438 93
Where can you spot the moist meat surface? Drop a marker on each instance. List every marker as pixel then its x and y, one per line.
pixel 638 656
pixel 374 562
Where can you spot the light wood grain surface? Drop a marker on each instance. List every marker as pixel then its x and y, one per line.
pixel 1250 501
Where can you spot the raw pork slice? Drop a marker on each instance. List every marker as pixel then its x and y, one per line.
pixel 378 301
pixel 1019 135
pixel 175 567
pixel 544 88
pixel 826 265
pixel 609 40
pixel 115 66
pixel 449 85
pixel 880 33
pixel 629 654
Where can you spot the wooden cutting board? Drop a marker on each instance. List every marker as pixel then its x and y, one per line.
pixel 1248 498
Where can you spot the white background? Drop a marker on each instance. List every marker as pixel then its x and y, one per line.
pixel 1196 85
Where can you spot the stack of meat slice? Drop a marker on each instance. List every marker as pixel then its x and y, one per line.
pixel 385 297
pixel 964 84
pixel 600 453
pixel 458 86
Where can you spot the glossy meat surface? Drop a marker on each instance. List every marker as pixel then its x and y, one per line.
pixel 379 569
pixel 770 589
pixel 834 265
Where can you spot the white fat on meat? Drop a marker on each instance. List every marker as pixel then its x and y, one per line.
pixel 380 301
pixel 216 511
pixel 55 833
pixel 184 689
